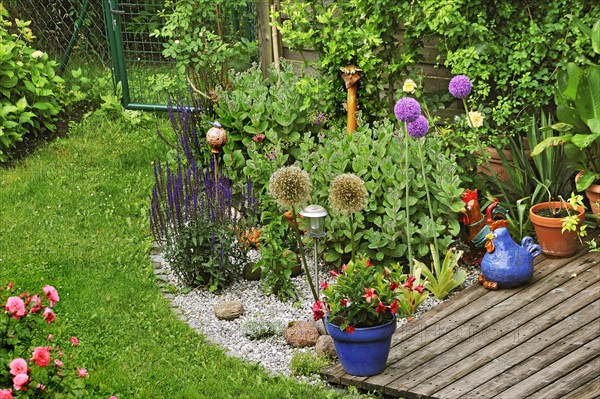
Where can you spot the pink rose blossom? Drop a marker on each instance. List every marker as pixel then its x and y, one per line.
pixel 49 315
pixel 7 394
pixel 18 366
pixel 16 307
pixel 74 341
pixel 50 337
pixel 112 397
pixel 19 381
pixel 41 387
pixel 82 372
pixel 51 294
pixel 58 363
pixel 41 356
pixel 36 303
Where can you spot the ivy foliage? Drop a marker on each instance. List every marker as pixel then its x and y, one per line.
pixel 510 50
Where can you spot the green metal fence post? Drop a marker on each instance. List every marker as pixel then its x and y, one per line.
pixel 67 55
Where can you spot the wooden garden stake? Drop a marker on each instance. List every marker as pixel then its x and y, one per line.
pixel 351 75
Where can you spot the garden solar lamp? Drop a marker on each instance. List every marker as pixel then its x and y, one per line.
pixel 315 217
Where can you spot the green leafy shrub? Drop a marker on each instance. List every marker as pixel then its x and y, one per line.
pixel 266 116
pixel 308 363
pixel 203 45
pixel 29 86
pixel 374 154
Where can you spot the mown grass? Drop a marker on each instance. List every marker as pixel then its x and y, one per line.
pixel 74 215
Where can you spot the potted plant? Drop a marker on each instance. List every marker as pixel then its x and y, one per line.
pixel 559 225
pixel 361 309
pixel 577 99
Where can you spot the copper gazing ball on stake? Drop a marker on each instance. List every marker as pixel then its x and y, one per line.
pixel 351 75
pixel 216 137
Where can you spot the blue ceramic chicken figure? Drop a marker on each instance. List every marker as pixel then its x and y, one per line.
pixel 507 264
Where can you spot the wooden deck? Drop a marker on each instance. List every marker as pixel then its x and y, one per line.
pixel 538 341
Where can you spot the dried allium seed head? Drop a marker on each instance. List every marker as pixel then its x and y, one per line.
pixel 348 194
pixel 290 186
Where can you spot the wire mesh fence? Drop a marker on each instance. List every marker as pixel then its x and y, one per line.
pixel 71 31
pixel 74 32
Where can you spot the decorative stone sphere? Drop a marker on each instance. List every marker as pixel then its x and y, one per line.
pixel 216 137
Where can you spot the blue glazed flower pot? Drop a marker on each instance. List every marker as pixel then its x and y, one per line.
pixel 363 352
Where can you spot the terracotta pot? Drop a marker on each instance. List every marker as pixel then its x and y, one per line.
pixel 496 163
pixel 593 194
pixel 548 230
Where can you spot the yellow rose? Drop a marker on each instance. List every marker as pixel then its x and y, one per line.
pixel 409 86
pixel 475 119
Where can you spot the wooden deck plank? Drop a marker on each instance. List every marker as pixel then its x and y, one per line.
pixel 591 390
pixel 559 338
pixel 478 339
pixel 551 373
pixel 463 324
pixel 494 341
pixel 559 388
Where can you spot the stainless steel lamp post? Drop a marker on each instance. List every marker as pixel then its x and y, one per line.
pixel 315 217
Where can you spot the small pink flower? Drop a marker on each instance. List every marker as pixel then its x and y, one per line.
pixel 10 285
pixel 50 337
pixel 36 303
pixel 333 273
pixel 324 285
pixel 58 363
pixel 41 356
pixel 419 288
pixel 16 307
pixel 82 372
pixel 74 341
pixel 368 263
pixel 380 308
pixel 112 397
pixel 394 307
pixel 41 387
pixel 318 311
pixel 19 381
pixel 49 315
pixel 7 394
pixel 409 282
pixel 51 294
pixel 370 293
pixel 344 268
pixel 18 366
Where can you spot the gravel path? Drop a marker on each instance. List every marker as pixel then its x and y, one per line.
pixel 274 354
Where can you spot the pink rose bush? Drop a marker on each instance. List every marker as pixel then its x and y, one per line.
pixel 36 371
pixel 367 295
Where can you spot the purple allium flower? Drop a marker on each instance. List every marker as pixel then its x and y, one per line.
pixel 460 86
pixel 407 109
pixel 418 128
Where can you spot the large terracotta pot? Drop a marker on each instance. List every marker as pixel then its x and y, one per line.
pixel 496 165
pixel 548 230
pixel 593 194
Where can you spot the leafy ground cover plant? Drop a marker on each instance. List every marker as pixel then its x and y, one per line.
pixel 309 363
pixel 29 86
pixel 34 363
pixel 367 295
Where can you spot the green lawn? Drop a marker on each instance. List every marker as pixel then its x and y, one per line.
pixel 74 215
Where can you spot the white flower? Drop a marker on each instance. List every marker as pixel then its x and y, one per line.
pixel 176 41
pixel 37 54
pixel 409 86
pixel 475 119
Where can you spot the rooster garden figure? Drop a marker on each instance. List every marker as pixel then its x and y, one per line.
pixel 507 264
pixel 476 226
